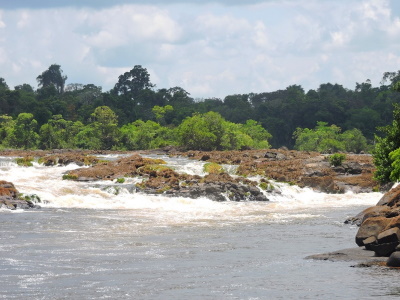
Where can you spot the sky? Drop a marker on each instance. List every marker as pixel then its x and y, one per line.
pixel 211 48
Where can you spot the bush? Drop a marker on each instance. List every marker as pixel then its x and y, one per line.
pixel 120 180
pixel 337 159
pixel 213 168
pixel 25 161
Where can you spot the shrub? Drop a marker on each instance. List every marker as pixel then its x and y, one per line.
pixel 337 159
pixel 69 177
pixel 120 180
pixel 213 168
pixel 25 161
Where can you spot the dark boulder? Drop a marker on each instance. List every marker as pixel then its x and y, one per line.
pixel 371 227
pixel 394 260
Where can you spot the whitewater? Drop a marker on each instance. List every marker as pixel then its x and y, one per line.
pixel 103 240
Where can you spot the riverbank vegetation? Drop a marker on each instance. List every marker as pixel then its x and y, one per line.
pixel 135 114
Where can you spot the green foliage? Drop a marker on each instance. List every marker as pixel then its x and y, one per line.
pixel 65 117
pixel 385 153
pixel 337 159
pixel 69 177
pixel 30 198
pixel 266 186
pixel 120 180
pixel 25 132
pixel 141 135
pixel 394 156
pixel 52 77
pixel 7 126
pixel 160 112
pixel 354 141
pixel 210 131
pixel 213 168
pixel 58 133
pixel 328 139
pixel 24 161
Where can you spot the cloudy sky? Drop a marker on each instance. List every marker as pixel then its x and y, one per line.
pixel 211 48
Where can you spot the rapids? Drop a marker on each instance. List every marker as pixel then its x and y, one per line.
pixel 101 240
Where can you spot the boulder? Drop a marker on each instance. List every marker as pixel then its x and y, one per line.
pixel 274 155
pixel 324 184
pixel 368 242
pixel 352 167
pixel 390 198
pixel 373 211
pixel 394 260
pixel 391 235
pixel 385 249
pixel 371 227
pixel 394 223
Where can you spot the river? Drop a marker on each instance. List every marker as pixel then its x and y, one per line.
pixel 99 241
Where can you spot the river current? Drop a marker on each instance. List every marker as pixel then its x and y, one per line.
pixel 100 241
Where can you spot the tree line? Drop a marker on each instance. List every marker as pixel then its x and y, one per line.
pixel 137 105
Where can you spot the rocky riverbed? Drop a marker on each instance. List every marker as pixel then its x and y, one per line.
pixel 305 169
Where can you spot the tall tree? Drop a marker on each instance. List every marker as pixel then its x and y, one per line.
pixel 52 77
pixel 133 82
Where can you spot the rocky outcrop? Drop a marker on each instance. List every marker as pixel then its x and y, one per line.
pixel 380 227
pixel 159 179
pixel 68 158
pixel 304 168
pixel 9 197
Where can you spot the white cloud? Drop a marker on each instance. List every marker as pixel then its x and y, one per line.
pixel 208 49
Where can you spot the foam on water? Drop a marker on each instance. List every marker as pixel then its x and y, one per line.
pixel 292 201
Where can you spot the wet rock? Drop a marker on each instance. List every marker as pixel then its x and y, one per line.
pixel 391 235
pixel 391 198
pixel 374 211
pixel 9 197
pixel 394 260
pixel 368 242
pixel 371 227
pixel 385 249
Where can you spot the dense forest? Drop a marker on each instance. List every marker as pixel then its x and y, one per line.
pixel 135 114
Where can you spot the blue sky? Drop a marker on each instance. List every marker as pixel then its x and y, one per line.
pixel 209 48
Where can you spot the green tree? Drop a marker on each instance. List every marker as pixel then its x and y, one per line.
pixel 354 140
pixel 389 142
pixel 323 138
pixel 58 133
pixel 141 135
pixel 160 112
pixel 52 77
pixel 7 136
pixel 25 131
pixel 259 135
pixel 133 82
pixel 106 123
pixel 210 131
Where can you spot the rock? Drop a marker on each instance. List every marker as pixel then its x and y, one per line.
pixel 352 168
pixel 391 235
pixel 371 227
pixel 324 184
pixel 369 241
pixel 390 198
pixel 384 249
pixel 394 260
pixel 9 197
pixel 205 157
pixel 374 211
pixel 274 155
